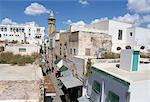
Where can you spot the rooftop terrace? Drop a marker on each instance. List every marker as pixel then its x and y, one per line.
pixel 110 68
pixel 20 83
pixel 28 72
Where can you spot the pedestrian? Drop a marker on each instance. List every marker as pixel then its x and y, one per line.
pixel 46 71
pixel 52 69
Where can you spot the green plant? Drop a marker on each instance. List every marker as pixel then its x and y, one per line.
pixel 35 56
pixel 144 55
pixel 110 55
pixel 10 58
pixel 5 58
pixel 88 68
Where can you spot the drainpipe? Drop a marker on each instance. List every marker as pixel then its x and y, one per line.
pixel 103 93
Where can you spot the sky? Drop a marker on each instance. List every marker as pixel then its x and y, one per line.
pixel 75 12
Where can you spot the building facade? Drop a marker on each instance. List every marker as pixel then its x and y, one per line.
pixel 82 43
pixel 124 35
pixel 27 33
pixel 22 49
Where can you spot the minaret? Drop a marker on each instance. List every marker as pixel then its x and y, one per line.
pixel 51 23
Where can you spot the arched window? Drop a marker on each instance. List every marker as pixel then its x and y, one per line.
pixel 142 47
pixel 118 48
pixel 128 47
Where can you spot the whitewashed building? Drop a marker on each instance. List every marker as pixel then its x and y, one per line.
pixel 127 83
pixel 26 33
pixel 124 35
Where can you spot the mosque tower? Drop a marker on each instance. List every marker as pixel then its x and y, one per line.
pixel 51 23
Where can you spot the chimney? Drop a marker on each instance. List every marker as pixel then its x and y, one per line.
pixel 129 60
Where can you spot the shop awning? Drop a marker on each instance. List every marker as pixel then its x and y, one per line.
pixel 83 99
pixel 57 61
pixel 59 64
pixel 67 73
pixel 49 87
pixel 70 82
pixel 63 68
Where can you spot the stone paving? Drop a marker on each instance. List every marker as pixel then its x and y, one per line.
pixel 57 88
pixel 59 92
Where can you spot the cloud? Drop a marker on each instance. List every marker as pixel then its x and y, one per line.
pixel 148 26
pixel 68 22
pixel 79 23
pixel 146 18
pixel 35 9
pixel 83 2
pixel 128 18
pixel 98 20
pixel 139 6
pixel 7 21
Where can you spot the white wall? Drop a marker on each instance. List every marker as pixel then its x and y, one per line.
pixel 130 39
pixel 103 25
pixel 80 65
pixel 126 58
pixel 140 91
pixel 29 49
pixel 114 26
pixel 142 37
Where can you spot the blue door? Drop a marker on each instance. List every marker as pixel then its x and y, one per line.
pixel 135 61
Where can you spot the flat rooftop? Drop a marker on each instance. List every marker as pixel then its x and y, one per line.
pixel 142 74
pixel 20 82
pixel 19 90
pixel 28 72
pixel 22 45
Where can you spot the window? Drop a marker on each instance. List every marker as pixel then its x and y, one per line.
pixel 92 39
pixel 75 51
pixel 128 47
pixel 70 50
pixel 14 29
pixel 29 29
pixel 87 51
pixel 142 47
pixel 112 97
pixel 38 30
pixel 60 48
pixel 22 49
pixel 131 34
pixel 118 48
pixel 120 34
pixel 0 35
pixel 22 30
pixel 17 29
pixel 1 29
pixel 96 86
pixel 65 45
pixel 5 29
pixel 11 29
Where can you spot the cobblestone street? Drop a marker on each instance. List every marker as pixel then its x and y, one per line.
pixel 57 88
